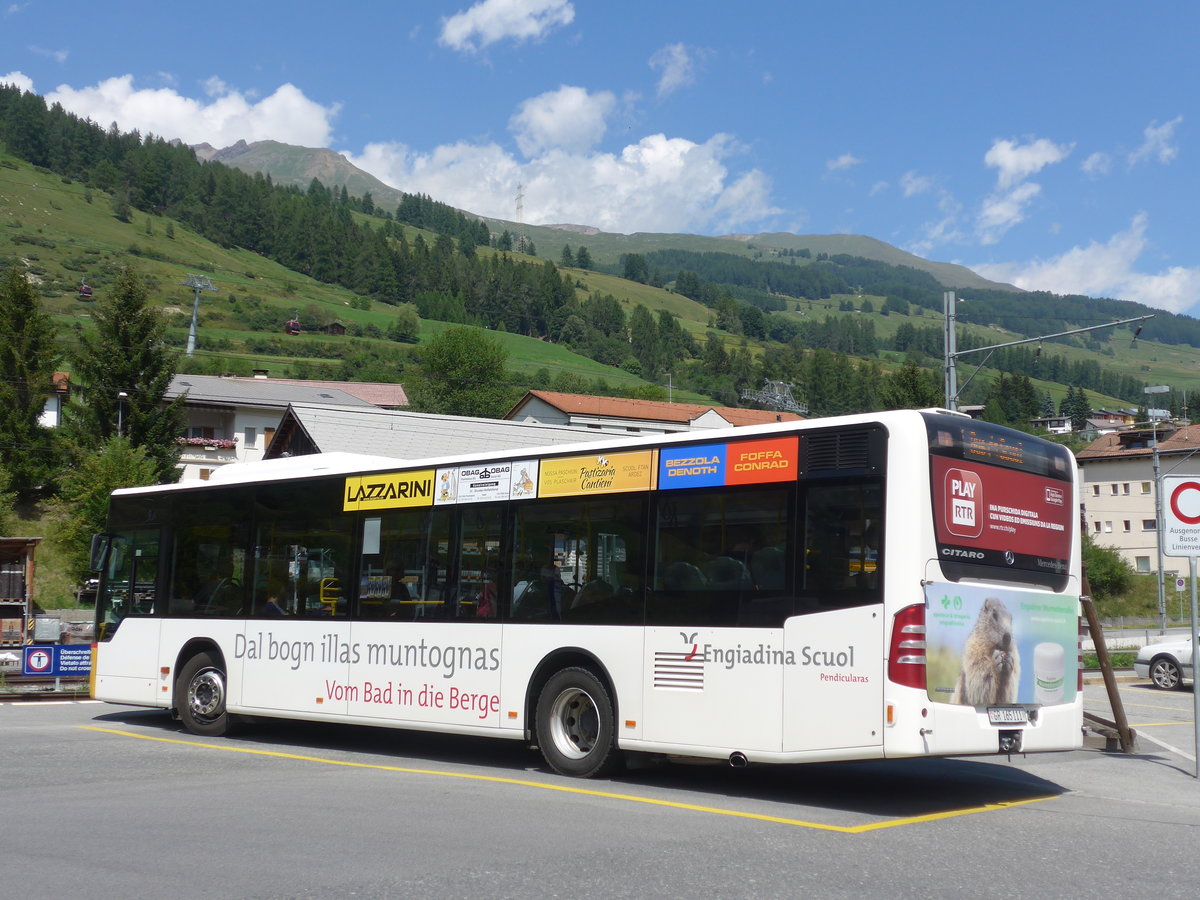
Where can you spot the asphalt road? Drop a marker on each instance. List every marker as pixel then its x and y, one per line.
pixel 104 801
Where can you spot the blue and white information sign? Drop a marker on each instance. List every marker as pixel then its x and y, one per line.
pixel 57 660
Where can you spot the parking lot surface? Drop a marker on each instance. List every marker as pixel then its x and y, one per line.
pixel 119 802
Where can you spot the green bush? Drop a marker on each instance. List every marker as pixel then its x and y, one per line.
pixel 1108 574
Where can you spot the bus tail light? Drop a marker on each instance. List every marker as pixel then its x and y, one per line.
pixel 906 655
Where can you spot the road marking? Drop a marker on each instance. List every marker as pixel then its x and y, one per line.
pixel 608 795
pixel 30 704
pixel 1167 746
pixel 1146 706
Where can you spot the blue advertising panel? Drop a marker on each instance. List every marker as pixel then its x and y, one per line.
pixel 55 660
pixel 690 467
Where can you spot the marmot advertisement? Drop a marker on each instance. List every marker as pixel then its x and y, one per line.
pixel 988 646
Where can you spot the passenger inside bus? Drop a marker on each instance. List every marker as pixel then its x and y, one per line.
pixel 275 599
pixel 486 604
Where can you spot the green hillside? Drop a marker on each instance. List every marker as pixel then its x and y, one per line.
pixel 62 233
pixel 291 165
pixel 833 315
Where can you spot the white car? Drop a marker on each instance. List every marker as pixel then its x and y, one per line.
pixel 1168 665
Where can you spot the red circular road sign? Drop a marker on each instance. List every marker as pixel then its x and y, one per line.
pixel 1179 490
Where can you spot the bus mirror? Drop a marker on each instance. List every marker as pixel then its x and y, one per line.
pixel 101 544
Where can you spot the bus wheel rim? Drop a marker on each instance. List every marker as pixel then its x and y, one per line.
pixel 206 695
pixel 574 723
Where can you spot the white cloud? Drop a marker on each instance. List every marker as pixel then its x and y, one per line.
pixel 843 162
pixel 678 69
pixel 1105 270
pixel 912 184
pixel 569 118
pixel 214 86
pixel 19 79
pixel 1005 207
pixel 878 187
pixel 59 56
pixel 1097 164
pixel 495 20
pixel 1016 162
pixel 1158 143
pixel 285 115
pixel 1001 211
pixel 658 184
pixel 940 231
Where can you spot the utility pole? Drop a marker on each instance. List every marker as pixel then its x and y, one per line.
pixel 952 353
pixel 951 345
pixel 197 283
pixel 1158 513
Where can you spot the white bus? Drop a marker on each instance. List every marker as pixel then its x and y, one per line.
pixel 890 585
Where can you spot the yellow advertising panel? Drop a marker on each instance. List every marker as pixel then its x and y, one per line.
pixel 604 473
pixel 388 490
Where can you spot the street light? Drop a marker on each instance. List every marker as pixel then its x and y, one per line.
pixel 121 395
pixel 1158 517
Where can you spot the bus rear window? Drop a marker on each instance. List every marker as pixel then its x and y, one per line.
pixel 1002 503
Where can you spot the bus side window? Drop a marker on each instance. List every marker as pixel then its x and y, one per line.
pixel 302 540
pixel 722 558
pixel 479 592
pixel 579 560
pixel 131 584
pixel 843 553
pixel 208 575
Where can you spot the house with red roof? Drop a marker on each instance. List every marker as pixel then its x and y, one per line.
pixel 620 415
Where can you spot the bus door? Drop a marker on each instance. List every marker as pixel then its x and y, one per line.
pixel 834 680
pixel 129 622
pixel 295 650
pixel 717 602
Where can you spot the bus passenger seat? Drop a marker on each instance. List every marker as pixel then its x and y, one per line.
pixel 768 567
pixel 682 576
pixel 727 574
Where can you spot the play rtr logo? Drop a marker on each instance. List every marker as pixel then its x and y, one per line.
pixel 963 503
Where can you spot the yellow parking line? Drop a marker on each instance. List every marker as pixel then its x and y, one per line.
pixel 1146 706
pixel 608 795
pixel 1157 724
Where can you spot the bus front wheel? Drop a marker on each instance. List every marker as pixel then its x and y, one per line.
pixel 575 728
pixel 200 696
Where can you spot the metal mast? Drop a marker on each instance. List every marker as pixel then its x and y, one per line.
pixel 197 283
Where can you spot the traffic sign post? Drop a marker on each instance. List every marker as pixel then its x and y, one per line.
pixel 1181 537
pixel 56 660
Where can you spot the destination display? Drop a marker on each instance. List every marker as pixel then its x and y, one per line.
pixel 979 442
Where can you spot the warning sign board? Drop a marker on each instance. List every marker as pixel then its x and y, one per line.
pixel 1181 515
pixel 54 660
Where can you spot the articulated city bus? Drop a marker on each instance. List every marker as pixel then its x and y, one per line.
pixel 897 584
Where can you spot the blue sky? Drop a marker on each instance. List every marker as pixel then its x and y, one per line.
pixel 1049 144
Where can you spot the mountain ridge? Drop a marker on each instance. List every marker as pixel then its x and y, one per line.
pixel 290 164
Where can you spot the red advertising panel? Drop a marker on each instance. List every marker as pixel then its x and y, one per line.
pixel 759 462
pixel 998 516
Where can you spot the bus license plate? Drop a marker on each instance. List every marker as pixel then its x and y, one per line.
pixel 1008 715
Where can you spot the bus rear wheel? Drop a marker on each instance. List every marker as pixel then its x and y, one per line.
pixel 200 696
pixel 575 728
